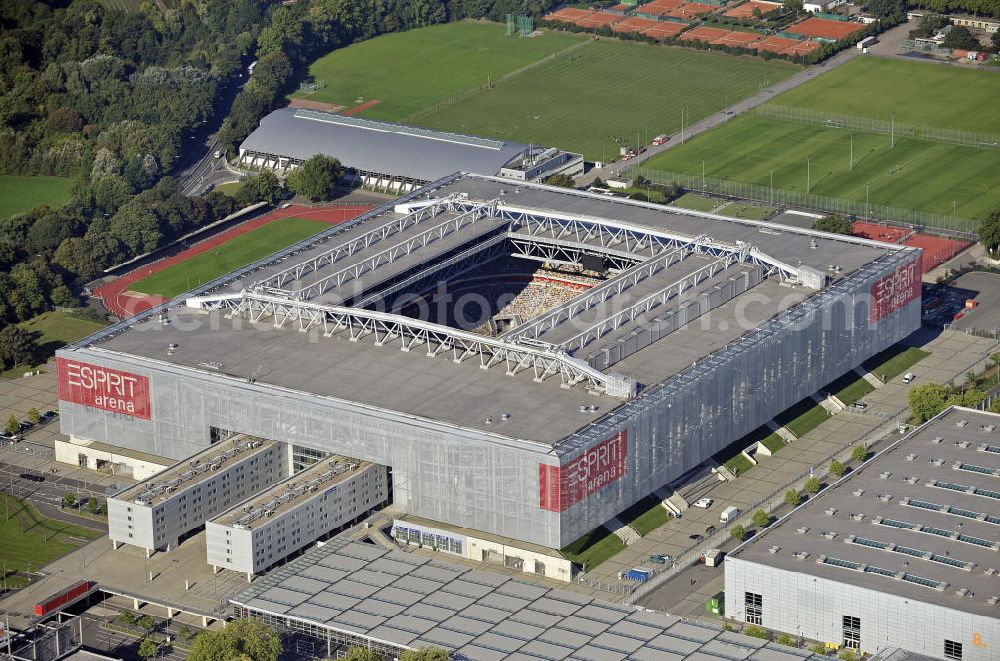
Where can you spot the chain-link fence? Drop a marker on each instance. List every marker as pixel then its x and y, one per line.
pixel 953 226
pixel 872 125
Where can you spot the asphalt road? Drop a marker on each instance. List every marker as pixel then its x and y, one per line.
pixel 117 644
pixel 199 170
pixel 47 496
pixel 612 170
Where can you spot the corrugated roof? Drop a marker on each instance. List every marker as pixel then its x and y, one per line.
pixel 380 147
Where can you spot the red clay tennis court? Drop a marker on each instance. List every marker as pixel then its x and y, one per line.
pixel 660 7
pixel 746 9
pixel 775 44
pixel 665 30
pixel 801 48
pixel 599 19
pixel 634 24
pixel 937 250
pixel 876 232
pixel 568 15
pixel 706 34
pixel 738 39
pixel 692 10
pixel 123 303
pixel 825 29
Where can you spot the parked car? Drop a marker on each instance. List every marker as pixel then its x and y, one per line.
pixel 658 559
pixel 704 503
pixel 909 376
pixel 32 477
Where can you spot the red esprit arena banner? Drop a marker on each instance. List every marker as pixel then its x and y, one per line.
pixel 103 388
pixel 563 486
pixel 893 291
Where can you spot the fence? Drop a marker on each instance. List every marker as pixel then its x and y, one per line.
pixel 872 125
pixel 952 226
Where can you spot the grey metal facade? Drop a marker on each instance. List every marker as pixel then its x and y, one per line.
pixel 813 607
pixel 477 480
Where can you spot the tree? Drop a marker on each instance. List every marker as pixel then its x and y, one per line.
pixel 882 8
pixel 927 401
pixel 12 426
pixel 128 617
pixel 362 654
pixel 68 501
pixel 812 485
pixel 425 654
pixel 148 648
pixel 793 6
pixel 960 37
pixel 738 532
pixel 93 506
pixel 34 416
pixel 17 346
pixel 248 636
pixel 833 224
pixel 792 498
pixel 995 41
pixel 859 453
pixel 317 178
pixel 561 180
pixel 761 519
pixel 837 469
pixel 146 622
pixel 265 187
pixel 989 231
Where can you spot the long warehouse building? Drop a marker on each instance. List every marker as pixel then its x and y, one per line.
pixel 529 361
pixel 900 553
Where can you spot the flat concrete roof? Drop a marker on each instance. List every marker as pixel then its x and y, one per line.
pixel 411 601
pixel 196 469
pixel 438 389
pixel 920 520
pixel 478 534
pixel 313 482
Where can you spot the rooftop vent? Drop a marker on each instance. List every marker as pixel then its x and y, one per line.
pixel 937 462
pixel 993 601
pixel 830 534
pixel 961 423
pixel 831 511
pixel 988 428
pixel 801 555
pixel 936 439
pixel 911 480
pixel 488 421
pixel 859 492
pixel 813 244
pixel 505 416
pixel 961 592
pixel 774 549
pixel 990 571
pixel 885 475
pixel 963 444
pixel 911 457
pixel 885 498
pixel 802 530
pixel 858 516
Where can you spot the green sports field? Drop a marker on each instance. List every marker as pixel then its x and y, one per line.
pixel 31 541
pixel 933 177
pixel 410 71
pixel 608 90
pixel 240 251
pixel 919 94
pixel 21 194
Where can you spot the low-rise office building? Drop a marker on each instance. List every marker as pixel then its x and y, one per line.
pixel 159 513
pixel 904 552
pixel 279 522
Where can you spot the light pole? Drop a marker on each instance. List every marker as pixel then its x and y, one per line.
pixel 868 207
pixel 851 166
pixel 808 172
pixel 772 186
pixel 703 174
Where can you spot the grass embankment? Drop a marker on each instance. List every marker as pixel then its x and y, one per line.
pixel 55 329
pixel 594 548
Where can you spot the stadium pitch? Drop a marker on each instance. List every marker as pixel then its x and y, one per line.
pixel 927 176
pixel 410 71
pixel 240 251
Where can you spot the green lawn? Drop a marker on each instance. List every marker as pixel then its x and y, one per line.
pixel 748 211
pixel 229 189
pixel 30 540
pixel 56 329
pixel 594 548
pixel 854 391
pixel 919 94
pixel 935 177
pixel 738 464
pixel 646 516
pixel 894 361
pixel 697 202
pixel 242 250
pixel 773 442
pixel 807 421
pixel 409 71
pixel 607 92
pixel 21 194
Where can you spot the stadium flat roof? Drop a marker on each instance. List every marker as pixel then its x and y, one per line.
pixel 408 600
pixel 439 389
pixel 919 520
pixel 380 147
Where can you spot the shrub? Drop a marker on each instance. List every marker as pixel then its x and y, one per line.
pixel 757 632
pixel 738 533
pixel 837 469
pixel 785 639
pixel 792 498
pixel 859 453
pixel 812 485
pixel 761 519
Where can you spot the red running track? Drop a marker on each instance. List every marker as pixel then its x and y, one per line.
pixel 123 303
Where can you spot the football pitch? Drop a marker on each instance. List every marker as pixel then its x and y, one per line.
pixel 913 174
pixel 409 71
pixel 238 252
pixel 928 176
pixel 605 93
